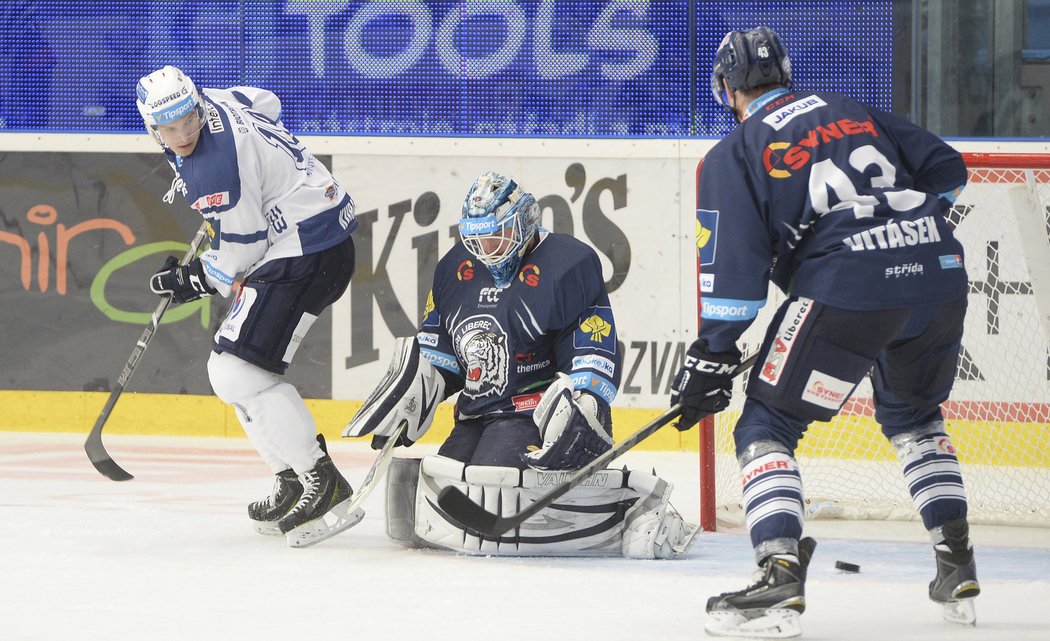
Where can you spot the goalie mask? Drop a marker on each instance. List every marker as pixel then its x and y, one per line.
pixel 749 59
pixel 171 107
pixel 499 221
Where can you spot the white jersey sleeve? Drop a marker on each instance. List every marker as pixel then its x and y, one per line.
pixel 264 195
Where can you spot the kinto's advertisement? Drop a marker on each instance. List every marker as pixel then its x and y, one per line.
pixel 628 211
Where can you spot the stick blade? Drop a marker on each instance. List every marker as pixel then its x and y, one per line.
pixel 102 461
pixel 469 514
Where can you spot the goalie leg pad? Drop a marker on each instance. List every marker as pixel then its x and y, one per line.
pixel 590 520
pixel 409 393
pixel 653 528
pixel 401 480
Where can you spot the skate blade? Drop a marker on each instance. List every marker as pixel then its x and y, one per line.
pixel 333 522
pixel 961 612
pixel 770 624
pixel 269 528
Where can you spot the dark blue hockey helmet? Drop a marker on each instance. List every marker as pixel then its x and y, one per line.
pixel 748 59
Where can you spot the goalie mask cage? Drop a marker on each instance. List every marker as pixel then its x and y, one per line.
pixel 998 415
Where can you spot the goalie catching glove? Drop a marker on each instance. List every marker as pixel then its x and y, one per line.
pixel 184 283
pixel 408 394
pixel 704 385
pixel 572 426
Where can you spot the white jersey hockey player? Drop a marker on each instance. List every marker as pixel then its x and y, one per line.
pixel 280 223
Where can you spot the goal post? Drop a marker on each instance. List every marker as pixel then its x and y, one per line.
pixel 999 412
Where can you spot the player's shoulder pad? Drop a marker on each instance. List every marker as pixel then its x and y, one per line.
pixel 564 253
pixel 261 100
pixel 457 264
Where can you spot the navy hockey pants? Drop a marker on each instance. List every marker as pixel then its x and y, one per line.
pixel 814 355
pixel 276 305
pixel 499 439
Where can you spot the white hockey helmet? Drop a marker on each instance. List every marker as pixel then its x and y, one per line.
pixel 166 96
pixel 498 222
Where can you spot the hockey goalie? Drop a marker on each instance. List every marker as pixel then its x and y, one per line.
pixel 519 324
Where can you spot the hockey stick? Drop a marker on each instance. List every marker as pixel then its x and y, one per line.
pixel 460 508
pixel 378 469
pixel 96 451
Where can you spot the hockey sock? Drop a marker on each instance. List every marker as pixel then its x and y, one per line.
pixel 931 470
pixel 773 497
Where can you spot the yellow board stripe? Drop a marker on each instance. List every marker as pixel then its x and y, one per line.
pixel 196 415
pixel 978 442
pixel 855 437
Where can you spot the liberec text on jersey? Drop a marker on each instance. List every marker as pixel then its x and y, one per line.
pixel 903 233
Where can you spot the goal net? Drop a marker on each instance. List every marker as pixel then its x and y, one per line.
pixel 998 415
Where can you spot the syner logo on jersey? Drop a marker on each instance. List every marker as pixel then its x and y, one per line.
pixel 783 115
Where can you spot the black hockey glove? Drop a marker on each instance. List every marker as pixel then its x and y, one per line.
pixel 184 283
pixel 704 385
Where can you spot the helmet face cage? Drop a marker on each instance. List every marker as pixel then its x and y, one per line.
pixel 748 59
pixel 498 221
pixel 166 97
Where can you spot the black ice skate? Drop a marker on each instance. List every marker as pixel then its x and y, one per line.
pixel 770 607
pixel 322 510
pixel 265 513
pixel 955 585
pixel 287 489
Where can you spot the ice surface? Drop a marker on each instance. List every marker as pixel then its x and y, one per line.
pixel 171 555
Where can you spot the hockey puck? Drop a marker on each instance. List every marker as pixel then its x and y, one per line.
pixel 851 568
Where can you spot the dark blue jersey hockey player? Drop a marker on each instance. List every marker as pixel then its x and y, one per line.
pixel 842 207
pixel 519 322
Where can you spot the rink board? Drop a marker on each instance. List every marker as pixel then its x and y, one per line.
pixel 196 415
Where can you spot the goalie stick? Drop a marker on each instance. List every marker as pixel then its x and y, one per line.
pixel 472 516
pixel 94 447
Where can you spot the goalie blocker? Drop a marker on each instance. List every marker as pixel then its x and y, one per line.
pixel 615 513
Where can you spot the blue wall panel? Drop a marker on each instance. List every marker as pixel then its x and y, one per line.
pixel 550 68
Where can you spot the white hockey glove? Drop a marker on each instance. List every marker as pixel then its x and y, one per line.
pixel 571 428
pixel 408 393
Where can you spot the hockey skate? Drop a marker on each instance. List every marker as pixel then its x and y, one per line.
pixel 323 509
pixel 287 489
pixel 955 585
pixel 770 607
pixel 265 513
